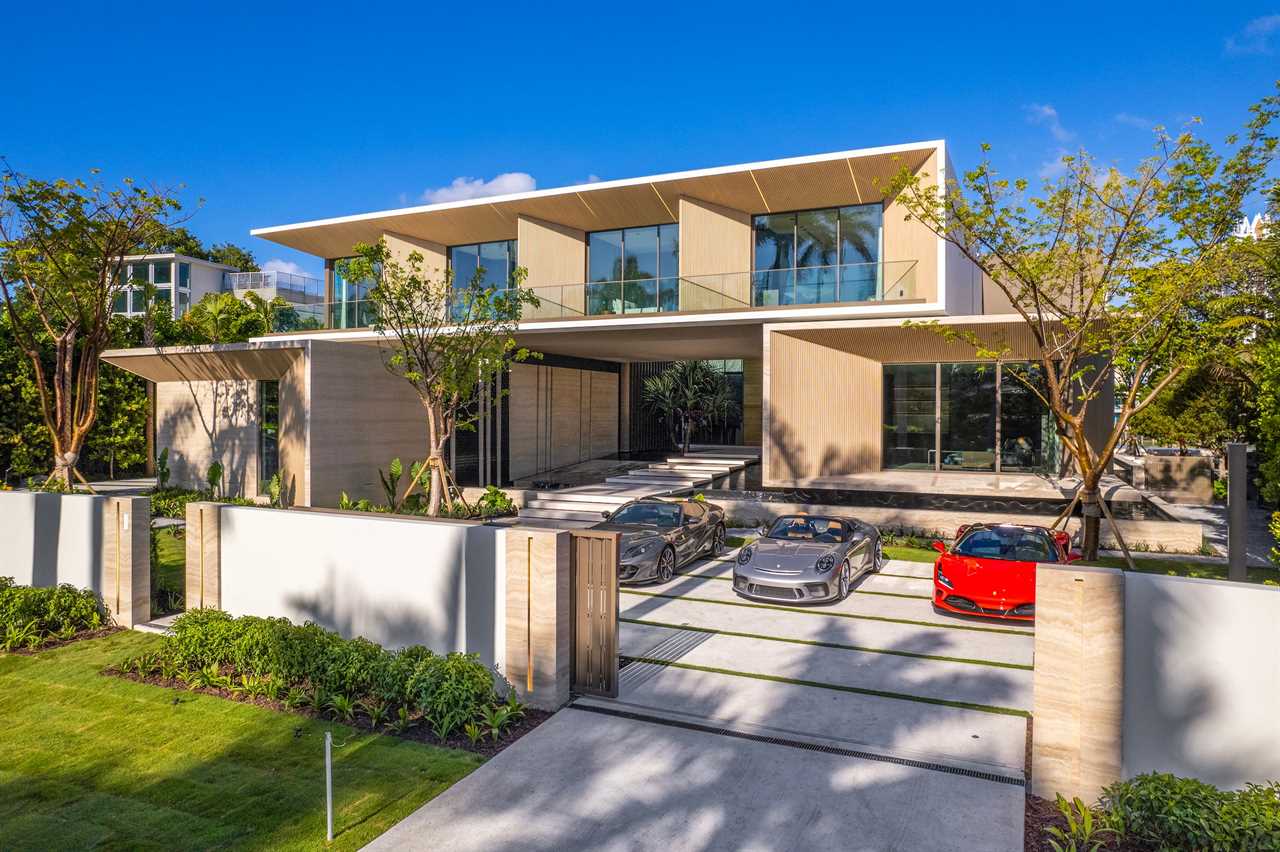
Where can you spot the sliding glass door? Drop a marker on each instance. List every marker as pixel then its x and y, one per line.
pixel 967 427
pixel 908 431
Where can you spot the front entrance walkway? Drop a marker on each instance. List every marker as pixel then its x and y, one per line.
pixel 871 724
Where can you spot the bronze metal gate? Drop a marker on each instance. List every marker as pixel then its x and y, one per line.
pixel 593 561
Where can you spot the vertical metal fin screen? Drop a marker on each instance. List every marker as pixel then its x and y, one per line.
pixel 594 573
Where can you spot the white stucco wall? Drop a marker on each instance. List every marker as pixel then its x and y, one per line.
pixel 47 539
pixel 1202 679
pixel 395 581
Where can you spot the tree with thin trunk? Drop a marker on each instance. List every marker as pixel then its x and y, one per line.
pixel 446 342
pixel 1106 270
pixel 62 249
pixel 687 395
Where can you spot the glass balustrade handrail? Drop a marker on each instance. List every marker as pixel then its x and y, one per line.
pixel 854 283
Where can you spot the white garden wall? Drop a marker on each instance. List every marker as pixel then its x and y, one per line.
pixel 1201 679
pixel 47 539
pixel 396 581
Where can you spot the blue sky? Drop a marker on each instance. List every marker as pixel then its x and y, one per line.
pixel 320 110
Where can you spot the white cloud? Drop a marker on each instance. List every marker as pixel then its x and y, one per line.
pixel 1139 121
pixel 1255 37
pixel 278 265
pixel 1054 168
pixel 1045 114
pixel 463 188
pixel 592 178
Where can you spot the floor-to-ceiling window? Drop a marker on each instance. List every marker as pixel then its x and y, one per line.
pixel 818 256
pixel 910 412
pixel 634 270
pixel 954 416
pixel 967 417
pixel 350 306
pixel 490 264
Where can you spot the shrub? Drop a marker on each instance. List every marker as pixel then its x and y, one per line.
pixel 495 502
pixel 451 690
pixel 30 616
pixel 172 502
pixel 1162 811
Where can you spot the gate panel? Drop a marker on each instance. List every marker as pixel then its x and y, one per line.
pixel 593 559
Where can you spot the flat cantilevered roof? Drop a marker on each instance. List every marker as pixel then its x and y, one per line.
pixel 771 186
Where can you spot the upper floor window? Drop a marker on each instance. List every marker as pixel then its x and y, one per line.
pixel 818 256
pixel 498 260
pixel 634 270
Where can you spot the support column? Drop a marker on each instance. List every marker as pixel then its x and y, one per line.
pixel 1237 513
pixel 204 556
pixel 1078 699
pixel 125 581
pixel 538 615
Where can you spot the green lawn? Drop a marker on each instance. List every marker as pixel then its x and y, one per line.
pixel 1171 567
pixel 173 558
pixel 89 761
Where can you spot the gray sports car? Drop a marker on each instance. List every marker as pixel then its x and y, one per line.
pixel 807 559
pixel 659 536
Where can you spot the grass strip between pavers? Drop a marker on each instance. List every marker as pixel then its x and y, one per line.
pixel 838 687
pixel 840 646
pixel 830 614
pixel 853 591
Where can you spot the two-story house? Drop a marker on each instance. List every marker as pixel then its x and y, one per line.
pixel 793 275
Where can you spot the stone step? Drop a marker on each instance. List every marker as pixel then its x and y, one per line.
pixel 569 496
pixel 561 515
pixel 577 506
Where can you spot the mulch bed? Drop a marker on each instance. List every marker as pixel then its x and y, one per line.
pixel 421 733
pixel 58 643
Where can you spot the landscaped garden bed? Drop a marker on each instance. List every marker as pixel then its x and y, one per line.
pixel 38 617
pixel 448 700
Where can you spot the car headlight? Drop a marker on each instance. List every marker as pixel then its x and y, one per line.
pixel 638 550
pixel 825 563
pixel 745 554
pixel 942 578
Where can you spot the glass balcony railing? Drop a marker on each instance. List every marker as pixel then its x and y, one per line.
pixel 848 284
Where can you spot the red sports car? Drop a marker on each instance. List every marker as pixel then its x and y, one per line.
pixel 991 569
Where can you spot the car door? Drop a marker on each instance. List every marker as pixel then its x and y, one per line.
pixel 690 539
pixel 859 550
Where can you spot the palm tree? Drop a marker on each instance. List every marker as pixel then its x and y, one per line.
pixel 689 394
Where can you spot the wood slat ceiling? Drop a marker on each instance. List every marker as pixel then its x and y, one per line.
pixel 895 344
pixel 796 186
pixel 205 363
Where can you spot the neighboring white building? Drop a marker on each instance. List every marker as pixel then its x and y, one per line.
pixel 181 281
pixel 1254 228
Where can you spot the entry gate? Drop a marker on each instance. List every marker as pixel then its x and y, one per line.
pixel 593 571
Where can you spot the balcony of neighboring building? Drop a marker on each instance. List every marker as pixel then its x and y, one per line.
pixel 293 287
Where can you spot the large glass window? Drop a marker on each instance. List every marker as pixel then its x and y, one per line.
pixel 497 259
pixel 968 416
pixel 634 270
pixel 184 275
pixel 351 307
pixel 818 256
pixel 162 272
pixel 971 418
pixel 1028 437
pixel 909 415
pixel 164 300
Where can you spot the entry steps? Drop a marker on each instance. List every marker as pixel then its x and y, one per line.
pixel 584 505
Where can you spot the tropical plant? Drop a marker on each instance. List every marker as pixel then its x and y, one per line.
pixel 20 636
pixel 446 342
pixel 403 722
pixel 1163 811
pixel 376 710
pixel 495 502
pixel 342 707
pixel 1107 270
pixel 1084 831
pixel 474 732
pixel 687 395
pixel 214 478
pixel 162 469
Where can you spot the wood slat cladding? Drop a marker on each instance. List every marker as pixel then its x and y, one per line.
pixel 821 411
pixel 752 400
pixel 230 361
pixel 783 185
pixel 714 240
pixel 594 571
pixel 893 344
pixel 907 239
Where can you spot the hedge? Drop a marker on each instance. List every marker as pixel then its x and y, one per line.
pixel 31 616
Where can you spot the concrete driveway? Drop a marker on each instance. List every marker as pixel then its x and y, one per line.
pixel 871 724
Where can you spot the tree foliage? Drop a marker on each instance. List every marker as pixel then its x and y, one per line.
pixel 180 240
pixel 1106 269
pixel 62 245
pixel 687 395
pixel 446 342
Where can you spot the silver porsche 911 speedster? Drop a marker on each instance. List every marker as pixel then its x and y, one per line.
pixel 807 559
pixel 659 536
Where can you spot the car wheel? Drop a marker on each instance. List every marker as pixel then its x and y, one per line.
pixel 717 540
pixel 666 565
pixel 878 560
pixel 844 580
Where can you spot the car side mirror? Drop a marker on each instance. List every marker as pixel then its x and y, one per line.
pixel 940 547
pixel 762 531
pixel 605 515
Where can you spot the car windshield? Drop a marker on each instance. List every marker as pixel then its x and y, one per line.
pixel 665 515
pixel 827 530
pixel 1012 543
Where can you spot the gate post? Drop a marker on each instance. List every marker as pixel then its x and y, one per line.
pixel 204 556
pixel 125 580
pixel 538 615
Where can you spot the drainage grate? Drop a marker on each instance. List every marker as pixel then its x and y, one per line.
pixel 801 744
